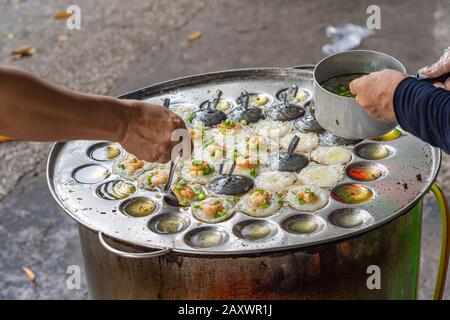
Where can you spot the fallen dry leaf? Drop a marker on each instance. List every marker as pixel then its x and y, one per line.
pixel 14 1
pixel 62 15
pixel 3 139
pixel 194 36
pixel 61 38
pixel 9 36
pixel 22 51
pixel 30 274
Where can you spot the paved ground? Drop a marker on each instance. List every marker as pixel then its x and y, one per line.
pixel 126 45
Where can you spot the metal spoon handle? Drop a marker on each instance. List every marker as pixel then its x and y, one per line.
pixel 171 174
pixel 293 144
pixel 244 99
pixel 166 103
pixel 221 166
pixel 294 90
pixel 216 98
pixel 233 166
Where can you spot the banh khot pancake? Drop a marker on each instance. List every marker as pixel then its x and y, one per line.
pixel 307 198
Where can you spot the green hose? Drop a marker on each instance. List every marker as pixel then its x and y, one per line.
pixel 445 244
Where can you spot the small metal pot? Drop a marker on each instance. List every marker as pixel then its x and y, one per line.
pixel 342 115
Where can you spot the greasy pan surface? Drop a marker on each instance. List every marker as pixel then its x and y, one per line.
pixel 408 171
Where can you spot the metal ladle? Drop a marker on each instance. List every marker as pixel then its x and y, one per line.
pixel 170 197
pixel 210 115
pixel 246 112
pixel 230 184
pixel 289 161
pixel 287 110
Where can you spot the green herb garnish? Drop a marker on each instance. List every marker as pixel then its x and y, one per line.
pixel 197 162
pixel 265 205
pixel 220 213
pixel 207 171
pixel 202 196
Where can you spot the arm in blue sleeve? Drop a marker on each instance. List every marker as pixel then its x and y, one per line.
pixel 424 111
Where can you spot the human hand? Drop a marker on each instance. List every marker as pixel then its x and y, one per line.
pixel 148 131
pixel 437 69
pixel 375 93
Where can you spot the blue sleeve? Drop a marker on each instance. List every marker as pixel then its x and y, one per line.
pixel 424 111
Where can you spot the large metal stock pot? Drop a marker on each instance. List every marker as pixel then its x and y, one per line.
pixel 126 259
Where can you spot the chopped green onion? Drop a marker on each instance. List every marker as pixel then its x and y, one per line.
pixel 202 196
pixel 265 205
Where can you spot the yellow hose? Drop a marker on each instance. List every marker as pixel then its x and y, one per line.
pixel 445 244
pixel 3 138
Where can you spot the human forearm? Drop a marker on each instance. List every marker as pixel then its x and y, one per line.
pixel 34 109
pixel 424 111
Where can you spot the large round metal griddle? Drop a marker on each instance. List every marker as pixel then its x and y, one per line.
pixel 410 170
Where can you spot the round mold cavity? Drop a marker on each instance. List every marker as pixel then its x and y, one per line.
pixel 91 174
pixel 169 223
pixel 372 151
pixel 352 193
pixel 391 135
pixel 255 230
pixel 303 224
pixel 104 151
pixel 254 95
pixel 350 218
pixel 115 190
pixel 365 171
pixel 206 237
pixel 138 207
pixel 295 101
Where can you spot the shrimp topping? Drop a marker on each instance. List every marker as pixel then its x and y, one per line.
pixel 229 126
pixel 259 198
pixel 246 162
pixel 306 196
pixel 200 168
pixel 131 163
pixel 157 178
pixel 186 194
pixel 214 150
pixel 213 208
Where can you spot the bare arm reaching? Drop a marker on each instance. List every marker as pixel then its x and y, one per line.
pixel 36 110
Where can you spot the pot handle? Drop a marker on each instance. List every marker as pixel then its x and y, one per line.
pixel 304 67
pixel 131 255
pixel 445 242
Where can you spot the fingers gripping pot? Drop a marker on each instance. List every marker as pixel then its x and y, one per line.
pixel 342 115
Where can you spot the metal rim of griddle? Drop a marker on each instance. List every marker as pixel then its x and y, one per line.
pixel 211 79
